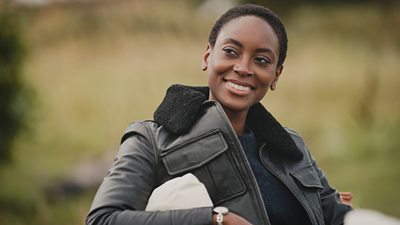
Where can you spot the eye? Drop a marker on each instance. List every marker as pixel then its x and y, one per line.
pixel 230 52
pixel 262 60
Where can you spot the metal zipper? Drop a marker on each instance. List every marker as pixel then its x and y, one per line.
pixel 244 158
pixel 289 186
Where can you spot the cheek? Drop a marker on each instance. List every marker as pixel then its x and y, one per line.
pixel 265 80
pixel 262 92
pixel 219 66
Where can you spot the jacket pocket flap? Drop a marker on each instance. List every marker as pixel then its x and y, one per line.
pixel 308 177
pixel 194 153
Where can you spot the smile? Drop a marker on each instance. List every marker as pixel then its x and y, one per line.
pixel 237 86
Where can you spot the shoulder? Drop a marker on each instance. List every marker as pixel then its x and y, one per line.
pixel 143 128
pixel 298 140
pixel 294 135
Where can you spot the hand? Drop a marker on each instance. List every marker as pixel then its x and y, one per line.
pixel 346 198
pixel 232 219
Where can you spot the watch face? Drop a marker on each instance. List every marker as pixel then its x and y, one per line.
pixel 221 209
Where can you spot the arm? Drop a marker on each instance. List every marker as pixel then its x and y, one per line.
pixel 334 210
pixel 124 192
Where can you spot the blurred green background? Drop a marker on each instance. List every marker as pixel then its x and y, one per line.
pixel 84 70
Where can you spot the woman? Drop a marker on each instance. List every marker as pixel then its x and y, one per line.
pixel 258 171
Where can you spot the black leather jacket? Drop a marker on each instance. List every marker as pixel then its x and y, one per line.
pixel 191 134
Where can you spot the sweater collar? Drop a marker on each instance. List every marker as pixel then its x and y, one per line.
pixel 181 105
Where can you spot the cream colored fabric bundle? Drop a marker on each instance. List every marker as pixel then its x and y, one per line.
pixel 369 217
pixel 179 193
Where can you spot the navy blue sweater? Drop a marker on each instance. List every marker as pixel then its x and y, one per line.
pixel 282 206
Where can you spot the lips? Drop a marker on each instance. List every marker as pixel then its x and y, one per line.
pixel 239 86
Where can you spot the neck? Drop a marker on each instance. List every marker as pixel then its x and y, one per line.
pixel 238 120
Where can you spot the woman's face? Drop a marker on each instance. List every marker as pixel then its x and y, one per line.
pixel 242 65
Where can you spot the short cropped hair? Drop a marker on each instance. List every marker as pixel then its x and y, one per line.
pixel 253 10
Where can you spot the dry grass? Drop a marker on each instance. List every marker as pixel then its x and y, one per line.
pixel 96 70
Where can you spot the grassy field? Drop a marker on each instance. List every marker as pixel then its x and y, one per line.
pixel 96 68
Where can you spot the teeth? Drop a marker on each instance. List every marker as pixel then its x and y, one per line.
pixel 237 86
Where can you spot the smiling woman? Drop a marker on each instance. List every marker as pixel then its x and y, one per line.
pixel 254 170
pixel 242 66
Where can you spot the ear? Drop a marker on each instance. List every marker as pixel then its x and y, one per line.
pixel 278 73
pixel 204 64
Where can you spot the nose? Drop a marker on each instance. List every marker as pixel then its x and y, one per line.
pixel 242 67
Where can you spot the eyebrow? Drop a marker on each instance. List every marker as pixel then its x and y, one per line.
pixel 236 42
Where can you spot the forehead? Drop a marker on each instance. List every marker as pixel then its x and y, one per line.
pixel 251 30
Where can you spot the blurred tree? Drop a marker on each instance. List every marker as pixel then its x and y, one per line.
pixel 285 6
pixel 14 99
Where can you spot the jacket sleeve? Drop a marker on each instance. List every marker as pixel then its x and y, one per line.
pixel 333 210
pixel 124 192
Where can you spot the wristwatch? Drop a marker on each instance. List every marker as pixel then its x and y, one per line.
pixel 220 211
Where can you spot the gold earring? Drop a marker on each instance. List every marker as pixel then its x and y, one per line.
pixel 273 86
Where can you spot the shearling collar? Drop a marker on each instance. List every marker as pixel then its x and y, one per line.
pixel 181 105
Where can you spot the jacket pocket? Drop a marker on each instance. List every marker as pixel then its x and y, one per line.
pixel 307 177
pixel 194 153
pixel 208 158
pixel 308 181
